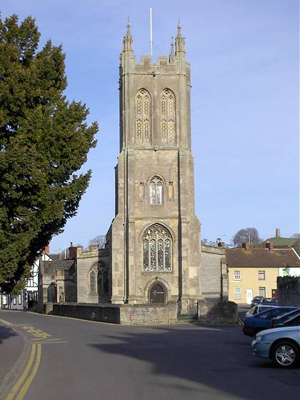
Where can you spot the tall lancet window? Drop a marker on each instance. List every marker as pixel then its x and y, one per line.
pixel 167 113
pixel 157 249
pixel 93 280
pixel 156 191
pixel 143 117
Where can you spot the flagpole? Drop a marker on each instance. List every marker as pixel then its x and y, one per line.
pixel 151 39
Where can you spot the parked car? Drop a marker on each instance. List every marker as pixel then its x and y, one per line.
pixel 279 321
pixel 258 309
pixel 256 300
pixel 281 345
pixel 258 322
pixel 271 301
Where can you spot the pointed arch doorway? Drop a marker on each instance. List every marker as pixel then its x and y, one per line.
pixel 157 293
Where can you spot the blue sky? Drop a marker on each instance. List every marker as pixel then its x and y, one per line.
pixel 245 102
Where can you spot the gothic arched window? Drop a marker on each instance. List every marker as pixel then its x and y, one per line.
pixel 167 114
pixel 157 249
pixel 156 191
pixel 143 110
pixel 93 280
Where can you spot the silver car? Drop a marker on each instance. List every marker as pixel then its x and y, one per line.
pixel 281 345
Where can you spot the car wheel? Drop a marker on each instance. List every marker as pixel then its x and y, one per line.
pixel 285 354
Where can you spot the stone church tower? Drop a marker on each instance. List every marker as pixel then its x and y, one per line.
pixel 155 236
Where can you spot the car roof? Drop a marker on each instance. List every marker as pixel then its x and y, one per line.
pixel 276 307
pixel 266 305
pixel 283 329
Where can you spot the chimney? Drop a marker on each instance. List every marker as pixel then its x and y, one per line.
pixel 246 246
pixel 46 249
pixel 269 245
pixel 277 232
pixel 72 252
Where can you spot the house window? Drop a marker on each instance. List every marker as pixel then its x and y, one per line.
pixel 237 275
pixel 20 298
pixel 15 300
pixel 262 291
pixel 261 275
pixel 156 191
pixel 237 293
pixel 157 249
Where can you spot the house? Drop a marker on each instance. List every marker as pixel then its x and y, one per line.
pixel 253 271
pixel 28 298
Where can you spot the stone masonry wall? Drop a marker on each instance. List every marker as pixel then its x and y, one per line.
pixel 211 272
pixel 288 290
pixel 124 314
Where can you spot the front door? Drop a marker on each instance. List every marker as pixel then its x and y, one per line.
pixel 249 295
pixel 157 294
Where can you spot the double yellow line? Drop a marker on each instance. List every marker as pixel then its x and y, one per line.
pixel 20 388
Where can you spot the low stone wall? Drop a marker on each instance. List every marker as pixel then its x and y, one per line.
pixel 214 313
pixel 209 312
pixel 288 290
pixel 126 314
pixel 92 312
pixel 143 314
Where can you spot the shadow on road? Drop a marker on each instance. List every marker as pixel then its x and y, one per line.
pixel 219 359
pixel 6 333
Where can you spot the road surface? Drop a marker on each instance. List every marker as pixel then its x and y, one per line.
pixel 75 359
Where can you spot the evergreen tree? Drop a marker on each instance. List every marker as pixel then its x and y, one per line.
pixel 44 140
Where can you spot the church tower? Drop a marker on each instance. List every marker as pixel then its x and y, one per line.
pixel 155 236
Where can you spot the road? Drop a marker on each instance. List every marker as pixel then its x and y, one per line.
pixel 75 359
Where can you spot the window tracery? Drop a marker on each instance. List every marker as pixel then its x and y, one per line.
pixel 143 110
pixel 98 279
pixel 167 124
pixel 157 244
pixel 93 280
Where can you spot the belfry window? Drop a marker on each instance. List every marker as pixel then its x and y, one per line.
pixel 143 110
pixel 156 191
pixel 157 249
pixel 167 113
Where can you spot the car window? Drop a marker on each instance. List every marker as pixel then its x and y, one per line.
pixel 253 311
pixel 261 309
pixel 293 321
pixel 265 315
pixel 287 316
pixel 290 315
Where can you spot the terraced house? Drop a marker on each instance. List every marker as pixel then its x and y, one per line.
pixel 254 271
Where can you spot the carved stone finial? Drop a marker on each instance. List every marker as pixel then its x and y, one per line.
pixel 127 41
pixel 172 48
pixel 179 42
pixel 178 28
pixel 128 27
